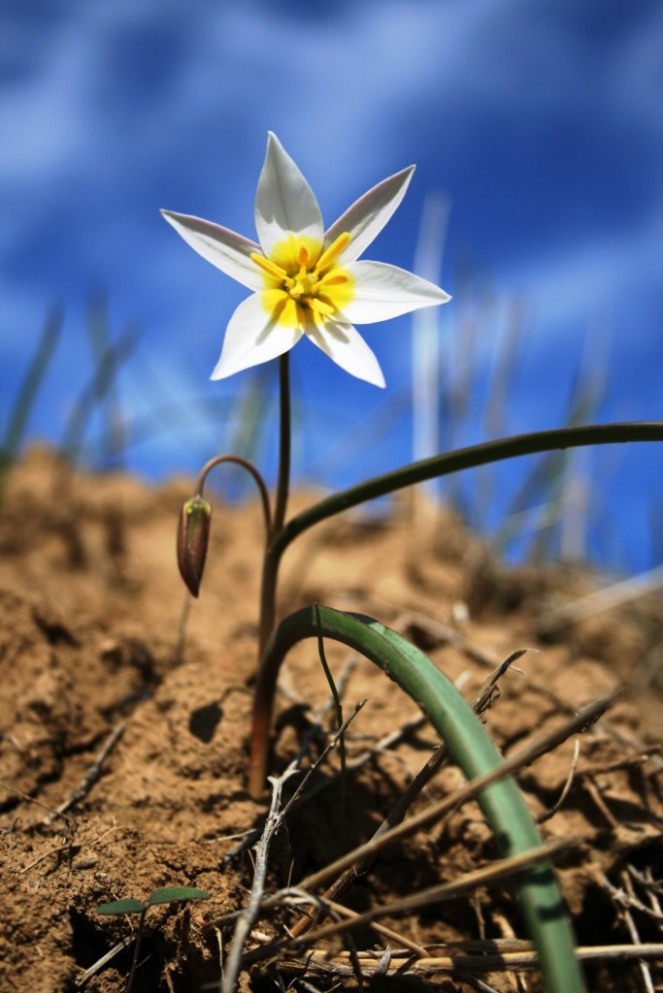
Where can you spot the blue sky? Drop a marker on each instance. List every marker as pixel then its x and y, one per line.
pixel 541 122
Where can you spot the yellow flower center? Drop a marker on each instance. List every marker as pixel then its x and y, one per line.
pixel 303 284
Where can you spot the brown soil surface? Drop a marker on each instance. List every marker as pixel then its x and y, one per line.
pixel 91 602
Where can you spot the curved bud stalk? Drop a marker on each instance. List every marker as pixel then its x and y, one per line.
pixel 192 541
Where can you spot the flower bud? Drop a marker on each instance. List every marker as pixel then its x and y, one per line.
pixel 192 540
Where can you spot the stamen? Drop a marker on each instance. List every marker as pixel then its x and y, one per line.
pixel 330 254
pixel 321 308
pixel 271 268
pixel 302 257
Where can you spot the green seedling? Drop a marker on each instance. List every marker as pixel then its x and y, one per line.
pixel 129 905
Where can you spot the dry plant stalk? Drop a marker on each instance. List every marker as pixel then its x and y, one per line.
pixel 475 957
pixel 247 917
pixel 503 869
pixel 482 702
pixel 347 919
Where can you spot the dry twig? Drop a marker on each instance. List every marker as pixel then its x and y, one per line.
pixel 493 956
pixel 583 719
pixel 524 757
pixel 395 816
pixel 633 931
pixel 566 788
pixel 248 916
pixel 92 774
pixel 503 869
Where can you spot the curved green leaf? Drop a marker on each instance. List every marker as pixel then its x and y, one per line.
pixel 460 459
pixel 470 745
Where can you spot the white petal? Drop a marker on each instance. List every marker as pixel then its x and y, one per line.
pixel 284 200
pixel 347 348
pixel 251 338
pixel 226 250
pixel 368 215
pixel 385 291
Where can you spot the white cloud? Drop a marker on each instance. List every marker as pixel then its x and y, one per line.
pixel 90 139
pixel 597 278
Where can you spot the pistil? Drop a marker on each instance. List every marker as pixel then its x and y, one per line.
pixel 306 282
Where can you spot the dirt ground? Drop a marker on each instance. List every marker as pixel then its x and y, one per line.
pixel 123 750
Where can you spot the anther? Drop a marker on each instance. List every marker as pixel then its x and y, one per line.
pixel 330 254
pixel 271 268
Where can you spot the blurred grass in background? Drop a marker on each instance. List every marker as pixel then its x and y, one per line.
pixel 536 510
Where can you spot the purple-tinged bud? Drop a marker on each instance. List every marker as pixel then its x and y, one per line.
pixel 192 540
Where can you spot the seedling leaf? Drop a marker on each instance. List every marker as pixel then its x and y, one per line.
pixel 176 894
pixel 127 906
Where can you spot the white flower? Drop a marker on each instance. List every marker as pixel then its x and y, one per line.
pixel 306 281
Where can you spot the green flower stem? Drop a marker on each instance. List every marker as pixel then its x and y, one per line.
pixel 470 745
pixel 283 484
pixel 417 472
pixel 270 563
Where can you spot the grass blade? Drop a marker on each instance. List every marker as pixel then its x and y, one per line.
pixel 27 394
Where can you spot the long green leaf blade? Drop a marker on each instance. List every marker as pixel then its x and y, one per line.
pixel 515 832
